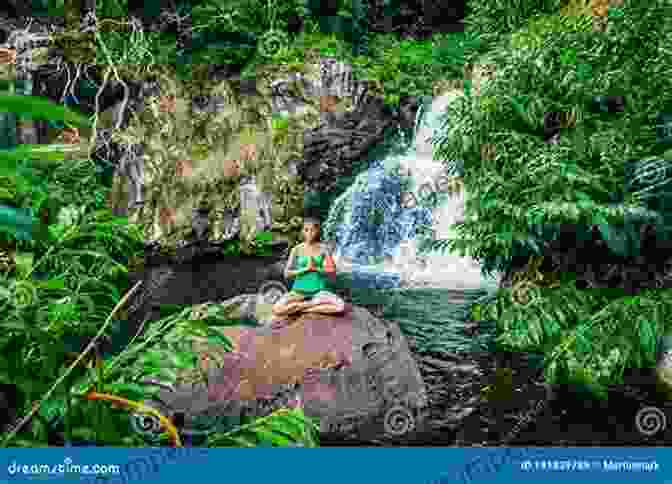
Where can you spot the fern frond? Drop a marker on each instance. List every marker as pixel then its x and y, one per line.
pixel 283 428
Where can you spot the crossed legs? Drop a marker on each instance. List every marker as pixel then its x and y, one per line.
pixel 323 302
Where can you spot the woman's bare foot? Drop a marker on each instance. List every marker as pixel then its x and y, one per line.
pixel 324 309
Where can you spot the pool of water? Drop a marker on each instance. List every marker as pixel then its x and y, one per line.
pixel 436 319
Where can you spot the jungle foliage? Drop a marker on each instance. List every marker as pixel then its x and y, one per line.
pixel 606 174
pixel 544 62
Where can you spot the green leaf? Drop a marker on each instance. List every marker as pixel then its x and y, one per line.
pixel 599 219
pixel 41 108
pixel 582 196
pixel 19 222
pixel 294 423
pixel 183 359
pixel 667 155
pixel 647 341
pixel 153 358
pixel 84 433
pixel 167 374
pixel 26 443
pixel 39 430
pixel 224 440
pixel 132 391
pixel 53 284
pixel 584 71
pixel 52 408
pixel 551 372
pixel 41 156
pixel 220 339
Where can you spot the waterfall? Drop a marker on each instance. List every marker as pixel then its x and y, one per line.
pixel 376 233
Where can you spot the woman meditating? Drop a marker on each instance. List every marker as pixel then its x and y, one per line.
pixel 309 264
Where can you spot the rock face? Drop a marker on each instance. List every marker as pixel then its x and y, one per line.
pixel 331 149
pixel 288 98
pixel 353 372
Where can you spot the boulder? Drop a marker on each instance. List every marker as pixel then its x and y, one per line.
pixel 352 372
pixel 331 150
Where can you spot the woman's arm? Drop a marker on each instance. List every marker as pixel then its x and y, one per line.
pixel 329 260
pixel 289 272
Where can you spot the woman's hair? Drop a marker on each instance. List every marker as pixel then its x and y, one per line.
pixel 312 216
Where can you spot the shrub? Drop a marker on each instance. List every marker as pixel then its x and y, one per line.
pixel 530 186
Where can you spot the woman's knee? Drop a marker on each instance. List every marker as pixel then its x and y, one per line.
pixel 338 304
pixel 334 299
pixel 278 308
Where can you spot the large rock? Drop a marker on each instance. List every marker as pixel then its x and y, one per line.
pixel 353 372
pixel 331 149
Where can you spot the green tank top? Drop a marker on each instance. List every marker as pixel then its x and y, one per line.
pixel 312 282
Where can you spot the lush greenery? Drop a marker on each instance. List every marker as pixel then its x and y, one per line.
pixel 48 323
pixel 528 188
pixel 56 322
pixel 544 62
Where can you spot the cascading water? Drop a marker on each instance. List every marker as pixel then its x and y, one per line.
pixel 377 236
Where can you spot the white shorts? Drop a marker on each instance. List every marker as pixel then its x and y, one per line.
pixel 322 297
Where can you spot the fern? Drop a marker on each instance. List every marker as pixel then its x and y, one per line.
pixel 284 427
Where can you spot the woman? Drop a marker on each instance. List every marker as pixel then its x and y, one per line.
pixel 309 263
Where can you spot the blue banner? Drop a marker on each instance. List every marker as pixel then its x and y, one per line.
pixel 338 466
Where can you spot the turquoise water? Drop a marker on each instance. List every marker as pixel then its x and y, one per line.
pixel 435 318
pixel 437 322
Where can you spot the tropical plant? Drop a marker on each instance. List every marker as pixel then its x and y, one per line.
pixel 49 323
pixel 522 197
pixel 14 166
pixel 492 19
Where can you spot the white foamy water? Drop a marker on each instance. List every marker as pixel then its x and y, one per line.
pixel 436 269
